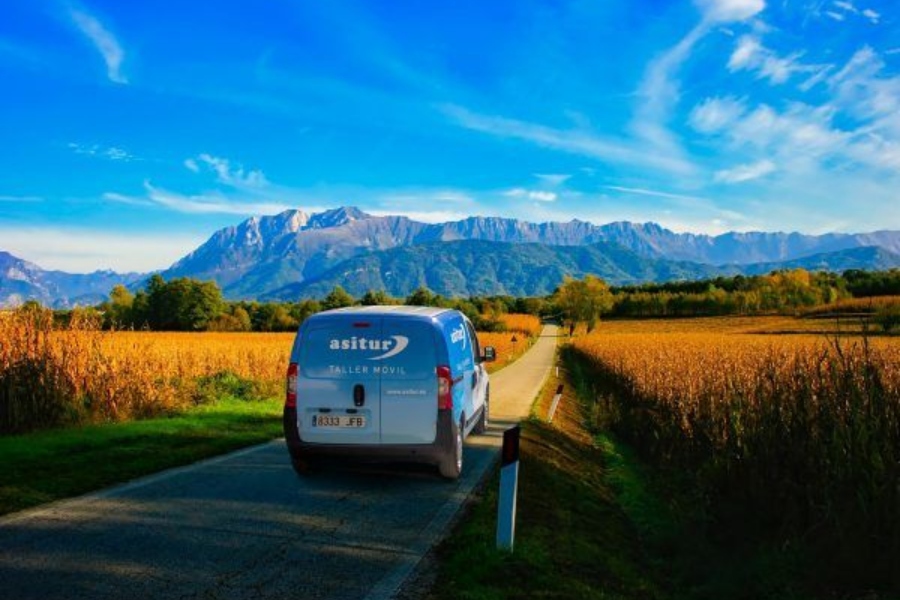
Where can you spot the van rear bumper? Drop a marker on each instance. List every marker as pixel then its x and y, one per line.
pixel 419 453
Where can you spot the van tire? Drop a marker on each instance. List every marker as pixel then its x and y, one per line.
pixel 482 423
pixel 302 466
pixel 450 466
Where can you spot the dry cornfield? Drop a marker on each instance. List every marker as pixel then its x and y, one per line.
pixel 507 350
pixel 804 429
pixel 54 377
pixel 530 325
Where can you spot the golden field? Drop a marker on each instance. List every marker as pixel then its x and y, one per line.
pixel 799 430
pixel 52 377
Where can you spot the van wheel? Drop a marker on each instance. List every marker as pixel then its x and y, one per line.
pixel 451 465
pixel 302 466
pixel 481 425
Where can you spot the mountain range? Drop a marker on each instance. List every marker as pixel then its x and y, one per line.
pixel 294 254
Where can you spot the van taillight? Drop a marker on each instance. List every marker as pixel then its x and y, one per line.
pixel 445 385
pixel 290 399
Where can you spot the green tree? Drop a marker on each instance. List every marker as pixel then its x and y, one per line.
pixel 377 297
pixel 182 304
pixel 304 309
pixel 420 297
pixel 337 298
pixel 118 310
pixel 583 301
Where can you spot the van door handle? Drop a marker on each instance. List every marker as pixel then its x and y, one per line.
pixel 359 394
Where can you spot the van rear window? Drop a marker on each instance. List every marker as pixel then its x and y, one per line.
pixel 398 350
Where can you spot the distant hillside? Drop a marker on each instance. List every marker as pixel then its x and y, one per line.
pixel 264 254
pixel 294 253
pixel 471 267
pixel 869 258
pixel 21 280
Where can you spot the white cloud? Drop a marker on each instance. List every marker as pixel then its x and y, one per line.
pixel 660 88
pixel 847 6
pixel 745 172
pixel 863 91
pixel 654 193
pixel 108 152
pixel 212 203
pixel 749 54
pixel 835 15
pixel 85 250
pixel 873 16
pixel 716 114
pixel 538 195
pixel 233 176
pixel 618 151
pixel 725 11
pixel 104 41
pixel 745 53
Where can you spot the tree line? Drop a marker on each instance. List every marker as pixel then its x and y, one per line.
pixel 185 304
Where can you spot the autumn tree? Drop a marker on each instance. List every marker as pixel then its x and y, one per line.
pixel 584 300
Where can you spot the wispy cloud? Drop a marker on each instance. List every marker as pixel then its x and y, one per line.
pixel 577 142
pixel 729 11
pixel 226 173
pixel 660 88
pixel 749 54
pixel 654 193
pixel 212 203
pixel 103 40
pixel 841 9
pixel 538 195
pixel 747 172
pixel 873 16
pixel 109 152
pixel 845 6
pixel 716 114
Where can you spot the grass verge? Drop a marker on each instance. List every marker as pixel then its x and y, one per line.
pixel 50 465
pixel 572 539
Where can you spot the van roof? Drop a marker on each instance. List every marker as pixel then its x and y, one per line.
pixel 421 311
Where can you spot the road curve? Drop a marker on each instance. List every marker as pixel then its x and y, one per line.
pixel 244 526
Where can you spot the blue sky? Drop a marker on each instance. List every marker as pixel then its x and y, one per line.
pixel 133 130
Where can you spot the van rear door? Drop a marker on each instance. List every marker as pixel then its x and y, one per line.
pixel 408 382
pixel 338 384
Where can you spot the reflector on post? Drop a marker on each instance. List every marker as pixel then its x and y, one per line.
pixel 509 483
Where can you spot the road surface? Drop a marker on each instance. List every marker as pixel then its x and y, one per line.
pixel 244 526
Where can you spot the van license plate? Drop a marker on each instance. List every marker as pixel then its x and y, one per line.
pixel 347 421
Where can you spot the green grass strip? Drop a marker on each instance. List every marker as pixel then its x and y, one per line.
pixel 572 541
pixel 51 465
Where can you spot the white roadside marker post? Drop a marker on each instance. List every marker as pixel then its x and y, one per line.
pixel 509 483
pixel 555 403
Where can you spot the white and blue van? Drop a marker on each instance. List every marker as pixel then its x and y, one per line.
pixel 399 383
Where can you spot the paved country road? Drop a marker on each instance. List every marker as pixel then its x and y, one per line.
pixel 244 526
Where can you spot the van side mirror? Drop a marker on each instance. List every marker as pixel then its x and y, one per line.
pixel 490 355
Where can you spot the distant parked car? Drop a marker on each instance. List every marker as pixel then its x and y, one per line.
pixel 397 383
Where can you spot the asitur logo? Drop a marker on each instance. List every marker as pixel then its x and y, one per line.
pixel 391 347
pixel 459 334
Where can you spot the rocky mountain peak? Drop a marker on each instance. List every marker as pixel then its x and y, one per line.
pixel 336 217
